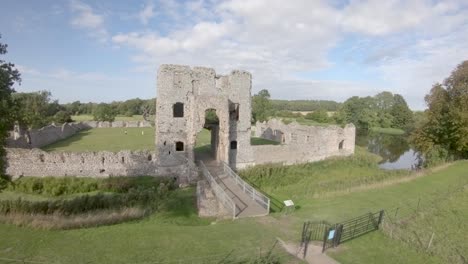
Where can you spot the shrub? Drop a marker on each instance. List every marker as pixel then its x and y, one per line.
pixel 436 156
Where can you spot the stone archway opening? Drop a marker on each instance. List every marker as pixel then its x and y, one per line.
pixel 207 141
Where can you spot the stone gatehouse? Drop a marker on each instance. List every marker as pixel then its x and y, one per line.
pixel 184 97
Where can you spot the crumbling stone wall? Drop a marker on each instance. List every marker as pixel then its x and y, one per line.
pixel 35 162
pixel 300 144
pixel 36 138
pixel 184 95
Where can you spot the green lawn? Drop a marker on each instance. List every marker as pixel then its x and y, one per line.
pixel 114 139
pixel 110 139
pixel 375 248
pixel 78 118
pixel 388 130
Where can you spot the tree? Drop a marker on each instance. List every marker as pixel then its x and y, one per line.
pixel 8 77
pixel 402 115
pixel 261 106
pixel 361 111
pixel 34 110
pixel 104 112
pixel 320 116
pixel 446 128
pixel 62 117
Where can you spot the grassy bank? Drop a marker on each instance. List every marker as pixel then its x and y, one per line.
pixel 176 234
pixel 302 183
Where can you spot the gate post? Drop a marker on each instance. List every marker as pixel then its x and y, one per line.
pixel 325 236
pixel 381 216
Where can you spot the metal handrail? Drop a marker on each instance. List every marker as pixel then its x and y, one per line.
pixel 257 196
pixel 228 203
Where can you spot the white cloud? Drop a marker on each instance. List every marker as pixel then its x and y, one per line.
pixel 147 13
pixel 86 18
pixel 408 44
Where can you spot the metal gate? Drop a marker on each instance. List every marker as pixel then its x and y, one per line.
pixel 347 230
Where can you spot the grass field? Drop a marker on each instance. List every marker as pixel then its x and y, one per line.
pixel 165 236
pixel 115 139
pixel 78 118
pixel 110 139
pixel 377 247
pixel 333 190
pixel 388 130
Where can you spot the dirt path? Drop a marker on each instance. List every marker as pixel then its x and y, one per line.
pixel 314 253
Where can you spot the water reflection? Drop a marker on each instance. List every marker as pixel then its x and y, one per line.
pixel 395 150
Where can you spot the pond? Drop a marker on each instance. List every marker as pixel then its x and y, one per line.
pixel 395 150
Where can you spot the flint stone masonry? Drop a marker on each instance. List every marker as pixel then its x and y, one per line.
pixel 35 162
pixel 36 138
pixel 199 89
pixel 300 144
pixel 207 203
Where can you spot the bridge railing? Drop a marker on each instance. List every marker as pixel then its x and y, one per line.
pixel 219 192
pixel 257 196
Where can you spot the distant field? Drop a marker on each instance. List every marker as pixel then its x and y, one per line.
pixel 306 122
pixel 115 139
pixel 388 130
pixel 79 118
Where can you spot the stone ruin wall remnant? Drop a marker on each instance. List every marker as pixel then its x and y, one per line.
pixel 300 143
pixel 35 162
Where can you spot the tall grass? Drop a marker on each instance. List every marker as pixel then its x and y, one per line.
pixel 59 221
pixel 58 186
pixel 312 180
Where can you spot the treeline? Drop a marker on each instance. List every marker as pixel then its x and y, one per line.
pixel 384 110
pixel 37 109
pixel 304 105
pixel 129 107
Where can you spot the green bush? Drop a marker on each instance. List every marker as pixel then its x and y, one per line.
pixel 436 156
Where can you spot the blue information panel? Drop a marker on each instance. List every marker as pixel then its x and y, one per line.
pixel 331 234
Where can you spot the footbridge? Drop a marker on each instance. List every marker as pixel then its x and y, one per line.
pixel 238 197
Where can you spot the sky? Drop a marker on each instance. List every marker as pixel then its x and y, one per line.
pixel 108 50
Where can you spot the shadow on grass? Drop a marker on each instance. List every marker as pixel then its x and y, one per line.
pixel 255 141
pixel 68 141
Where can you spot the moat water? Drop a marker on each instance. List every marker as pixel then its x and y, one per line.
pixel 395 150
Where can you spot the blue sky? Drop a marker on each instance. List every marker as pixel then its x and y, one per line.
pixel 110 50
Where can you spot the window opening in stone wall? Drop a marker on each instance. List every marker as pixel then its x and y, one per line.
pixel 234 112
pixel 149 157
pixel 179 146
pixel 233 144
pixel 340 146
pixel 123 159
pixel 178 110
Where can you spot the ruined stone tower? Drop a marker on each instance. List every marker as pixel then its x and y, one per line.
pixel 183 97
